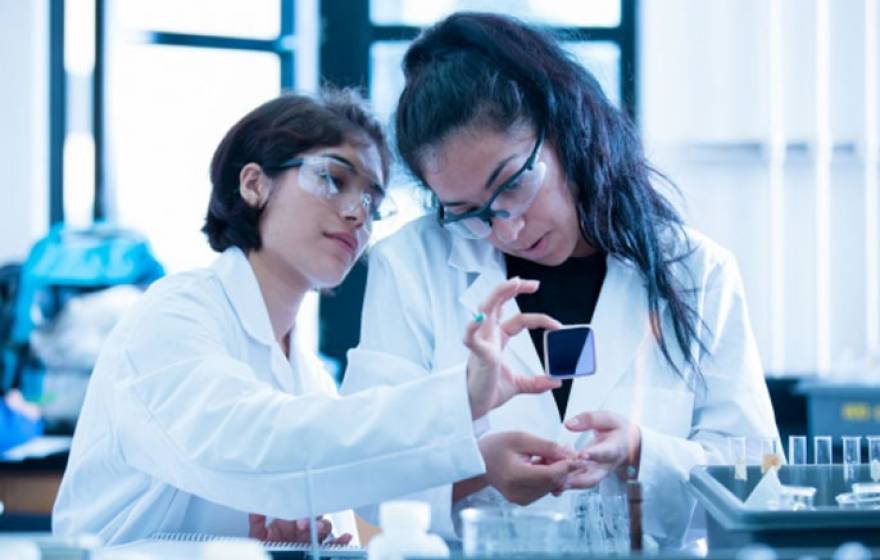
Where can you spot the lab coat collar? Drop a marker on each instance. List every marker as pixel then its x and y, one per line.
pixel 473 255
pixel 241 287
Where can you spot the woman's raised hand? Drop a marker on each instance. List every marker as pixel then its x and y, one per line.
pixel 490 381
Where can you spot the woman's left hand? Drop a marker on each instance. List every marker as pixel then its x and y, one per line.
pixel 282 530
pixel 616 447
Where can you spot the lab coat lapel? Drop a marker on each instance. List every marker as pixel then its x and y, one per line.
pixel 243 291
pixel 620 323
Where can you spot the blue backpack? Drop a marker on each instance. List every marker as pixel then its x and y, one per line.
pixel 64 263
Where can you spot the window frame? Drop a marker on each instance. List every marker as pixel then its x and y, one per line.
pixel 283 45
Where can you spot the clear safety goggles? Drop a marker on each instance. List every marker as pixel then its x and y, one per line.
pixel 341 185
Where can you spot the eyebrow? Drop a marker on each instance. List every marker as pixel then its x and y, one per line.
pixel 492 176
pixel 348 163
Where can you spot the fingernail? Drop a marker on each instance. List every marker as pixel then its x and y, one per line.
pixel 575 422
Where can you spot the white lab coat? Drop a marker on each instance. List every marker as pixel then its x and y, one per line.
pixel 424 285
pixel 194 418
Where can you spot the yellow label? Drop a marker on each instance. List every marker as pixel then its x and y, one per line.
pixel 856 412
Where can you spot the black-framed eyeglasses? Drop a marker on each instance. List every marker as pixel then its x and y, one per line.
pixel 516 193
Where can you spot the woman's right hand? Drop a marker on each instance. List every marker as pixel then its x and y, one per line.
pixel 490 382
pixel 292 531
pixel 524 467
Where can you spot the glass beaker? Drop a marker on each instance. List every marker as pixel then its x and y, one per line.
pixel 797 450
pixel 506 531
pixel 771 454
pixel 796 498
pixel 600 523
pixel 736 446
pixel 822 450
pixel 852 455
pixel 852 500
pixel 874 457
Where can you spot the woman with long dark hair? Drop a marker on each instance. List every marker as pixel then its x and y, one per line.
pixel 535 174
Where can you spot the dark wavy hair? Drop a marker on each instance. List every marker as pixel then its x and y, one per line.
pixel 480 69
pixel 272 133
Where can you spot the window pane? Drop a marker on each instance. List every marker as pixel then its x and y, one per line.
pixel 580 13
pixel 603 60
pixel 168 108
pixel 386 77
pixel 386 83
pixel 233 18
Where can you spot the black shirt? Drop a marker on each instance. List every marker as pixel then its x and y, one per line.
pixel 568 293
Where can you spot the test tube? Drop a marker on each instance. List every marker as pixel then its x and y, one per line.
pixel 822 450
pixel 771 455
pixel 797 450
pixel 874 457
pixel 737 447
pixel 852 455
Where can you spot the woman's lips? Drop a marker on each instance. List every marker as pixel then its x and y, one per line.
pixel 537 247
pixel 345 240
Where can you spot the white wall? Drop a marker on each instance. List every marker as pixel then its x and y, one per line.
pixel 24 137
pixel 705 107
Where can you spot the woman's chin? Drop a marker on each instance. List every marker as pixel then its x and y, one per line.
pixel 329 277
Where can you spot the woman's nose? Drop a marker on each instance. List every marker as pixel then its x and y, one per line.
pixel 354 213
pixel 507 230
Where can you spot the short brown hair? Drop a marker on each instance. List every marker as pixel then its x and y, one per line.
pixel 272 133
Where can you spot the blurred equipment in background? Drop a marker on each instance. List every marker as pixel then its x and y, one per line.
pixel 70 291
pixel 847 401
pixel 67 347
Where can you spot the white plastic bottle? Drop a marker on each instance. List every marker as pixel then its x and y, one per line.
pixel 405 533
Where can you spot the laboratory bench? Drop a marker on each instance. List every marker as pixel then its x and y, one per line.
pixel 29 482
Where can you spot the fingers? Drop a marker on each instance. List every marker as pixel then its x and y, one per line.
pixel 517 323
pixel 596 420
pixel 257 526
pixel 602 452
pixel 551 452
pixel 342 539
pixel 324 529
pixel 535 384
pixel 283 530
pixel 534 481
pixel 586 478
pixel 505 291
pixel 471 341
pixel 547 478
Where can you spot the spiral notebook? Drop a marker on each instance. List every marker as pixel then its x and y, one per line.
pixel 276 549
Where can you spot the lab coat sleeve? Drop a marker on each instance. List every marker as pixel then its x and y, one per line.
pixel 395 326
pixel 734 400
pixel 192 416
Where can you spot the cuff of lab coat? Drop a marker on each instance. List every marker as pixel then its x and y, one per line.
pixel 668 505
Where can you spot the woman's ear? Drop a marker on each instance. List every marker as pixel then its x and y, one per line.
pixel 253 185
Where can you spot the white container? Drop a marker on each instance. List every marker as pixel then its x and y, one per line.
pixel 405 533
pixel 19 550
